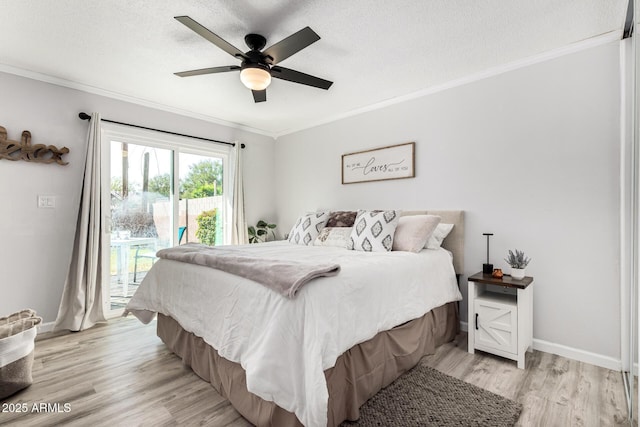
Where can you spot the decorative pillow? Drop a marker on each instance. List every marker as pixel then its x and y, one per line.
pixel 342 219
pixel 307 227
pixel 413 231
pixel 373 231
pixel 438 236
pixel 334 236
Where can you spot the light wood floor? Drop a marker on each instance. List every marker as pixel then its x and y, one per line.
pixel 120 374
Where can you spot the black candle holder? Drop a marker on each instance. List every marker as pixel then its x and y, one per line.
pixel 488 267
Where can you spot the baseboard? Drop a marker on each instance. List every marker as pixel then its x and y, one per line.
pixel 570 353
pixel 45 327
pixel 464 326
pixel 577 354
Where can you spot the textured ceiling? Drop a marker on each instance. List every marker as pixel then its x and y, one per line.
pixel 373 50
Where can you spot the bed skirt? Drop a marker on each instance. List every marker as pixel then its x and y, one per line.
pixel 358 374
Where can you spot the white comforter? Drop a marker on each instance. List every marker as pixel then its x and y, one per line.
pixel 285 345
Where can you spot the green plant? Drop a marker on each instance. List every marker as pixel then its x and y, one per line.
pixel 260 232
pixel 160 184
pixel 200 179
pixel 206 231
pixel 517 260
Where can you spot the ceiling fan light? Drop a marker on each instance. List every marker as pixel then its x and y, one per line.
pixel 255 78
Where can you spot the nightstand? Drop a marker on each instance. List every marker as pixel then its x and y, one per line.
pixel 501 316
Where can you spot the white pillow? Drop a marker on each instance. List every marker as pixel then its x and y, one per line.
pixel 413 232
pixel 438 236
pixel 334 236
pixel 373 231
pixel 307 227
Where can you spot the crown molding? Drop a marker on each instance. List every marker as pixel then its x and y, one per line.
pixel 126 98
pixel 614 36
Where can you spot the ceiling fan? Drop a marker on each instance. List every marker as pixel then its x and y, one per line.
pixel 259 66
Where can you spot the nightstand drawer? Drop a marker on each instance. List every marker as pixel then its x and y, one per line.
pixel 496 323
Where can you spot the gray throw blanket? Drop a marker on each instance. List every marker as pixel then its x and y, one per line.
pixel 282 276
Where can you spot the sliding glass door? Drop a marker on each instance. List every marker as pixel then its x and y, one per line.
pixel 162 192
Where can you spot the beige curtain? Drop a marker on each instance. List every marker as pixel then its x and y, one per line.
pixel 239 234
pixel 81 304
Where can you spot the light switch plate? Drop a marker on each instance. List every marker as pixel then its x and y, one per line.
pixel 47 202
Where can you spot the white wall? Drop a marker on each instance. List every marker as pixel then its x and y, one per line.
pixel 36 244
pixel 531 155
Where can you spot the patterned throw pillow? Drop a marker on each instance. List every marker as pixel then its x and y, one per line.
pixel 373 231
pixel 342 219
pixel 333 236
pixel 307 227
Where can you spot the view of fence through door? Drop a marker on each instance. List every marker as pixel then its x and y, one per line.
pixel 150 210
pixel 201 206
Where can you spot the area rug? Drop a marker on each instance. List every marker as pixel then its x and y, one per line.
pixel 427 397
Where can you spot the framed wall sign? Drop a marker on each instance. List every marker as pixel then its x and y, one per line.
pixel 378 164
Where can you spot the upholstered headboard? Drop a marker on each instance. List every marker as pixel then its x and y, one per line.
pixel 455 240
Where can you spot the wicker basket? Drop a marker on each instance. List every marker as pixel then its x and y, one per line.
pixel 17 342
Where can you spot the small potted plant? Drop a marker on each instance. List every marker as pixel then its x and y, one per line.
pixel 518 262
pixel 260 232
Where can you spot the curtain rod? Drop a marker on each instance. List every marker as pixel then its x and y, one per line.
pixel 85 116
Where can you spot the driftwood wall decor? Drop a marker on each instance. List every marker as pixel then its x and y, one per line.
pixel 23 150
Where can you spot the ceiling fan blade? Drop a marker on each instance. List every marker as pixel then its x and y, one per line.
pixel 211 70
pixel 298 77
pixel 292 44
pixel 259 95
pixel 213 38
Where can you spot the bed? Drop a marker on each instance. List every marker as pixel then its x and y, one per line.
pixel 316 358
